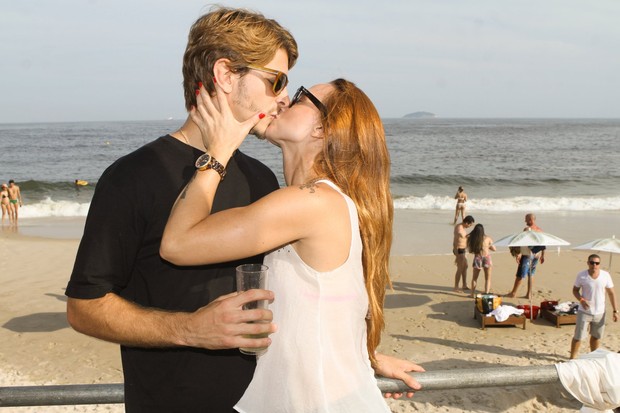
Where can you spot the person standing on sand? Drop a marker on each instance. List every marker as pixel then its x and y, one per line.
pixel 15 198
pixel 589 289
pixel 180 327
pixel 461 198
pixel 5 204
pixel 459 248
pixel 527 260
pixel 481 245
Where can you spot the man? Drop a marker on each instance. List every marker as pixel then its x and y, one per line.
pixel 15 198
pixel 589 289
pixel 527 260
pixel 459 248
pixel 180 327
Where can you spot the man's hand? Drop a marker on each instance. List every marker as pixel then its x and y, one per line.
pixel 224 324
pixel 395 368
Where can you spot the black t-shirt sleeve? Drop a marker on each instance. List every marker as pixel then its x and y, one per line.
pixel 109 246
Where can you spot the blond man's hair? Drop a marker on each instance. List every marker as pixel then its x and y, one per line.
pixel 242 36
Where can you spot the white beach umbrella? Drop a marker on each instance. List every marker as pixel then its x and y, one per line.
pixel 610 245
pixel 530 239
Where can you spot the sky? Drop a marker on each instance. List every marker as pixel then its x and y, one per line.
pixel 108 60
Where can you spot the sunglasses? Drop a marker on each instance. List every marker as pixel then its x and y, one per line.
pixel 594 262
pixel 301 92
pixel 279 83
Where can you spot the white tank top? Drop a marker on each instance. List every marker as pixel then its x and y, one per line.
pixel 318 360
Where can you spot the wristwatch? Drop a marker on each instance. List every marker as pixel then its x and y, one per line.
pixel 206 161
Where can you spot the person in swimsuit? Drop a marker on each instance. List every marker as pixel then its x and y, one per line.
pixel 481 245
pixel 15 198
pixel 459 248
pixel 6 205
pixel 461 198
pixel 328 294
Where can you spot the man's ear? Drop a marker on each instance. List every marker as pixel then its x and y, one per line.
pixel 222 74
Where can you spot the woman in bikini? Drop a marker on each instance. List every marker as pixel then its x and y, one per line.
pixel 480 244
pixel 461 198
pixel 6 205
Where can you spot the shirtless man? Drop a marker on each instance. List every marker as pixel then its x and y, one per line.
pixel 15 198
pixel 459 248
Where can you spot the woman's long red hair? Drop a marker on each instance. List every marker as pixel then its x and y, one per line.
pixel 356 158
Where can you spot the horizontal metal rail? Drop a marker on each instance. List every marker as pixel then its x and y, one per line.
pixel 434 380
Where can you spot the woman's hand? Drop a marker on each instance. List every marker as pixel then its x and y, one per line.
pixel 221 132
pixel 395 368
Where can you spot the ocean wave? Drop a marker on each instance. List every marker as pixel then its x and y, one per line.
pixel 50 208
pixel 521 203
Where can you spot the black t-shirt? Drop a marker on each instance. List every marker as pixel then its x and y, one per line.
pixel 119 253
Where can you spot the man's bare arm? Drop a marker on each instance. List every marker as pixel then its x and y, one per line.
pixel 221 324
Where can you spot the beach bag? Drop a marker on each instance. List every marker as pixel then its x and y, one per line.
pixel 548 305
pixel 485 303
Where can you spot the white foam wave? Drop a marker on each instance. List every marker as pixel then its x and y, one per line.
pixel 431 202
pixel 50 208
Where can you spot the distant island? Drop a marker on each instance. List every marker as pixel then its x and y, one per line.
pixel 420 115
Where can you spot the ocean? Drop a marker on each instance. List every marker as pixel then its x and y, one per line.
pixel 505 165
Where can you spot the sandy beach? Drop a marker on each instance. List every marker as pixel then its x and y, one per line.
pixel 426 321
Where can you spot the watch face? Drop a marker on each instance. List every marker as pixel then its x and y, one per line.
pixel 203 161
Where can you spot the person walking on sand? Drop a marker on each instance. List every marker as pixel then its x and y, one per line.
pixel 180 327
pixel 461 199
pixel 481 245
pixel 527 260
pixel 459 248
pixel 589 289
pixel 15 198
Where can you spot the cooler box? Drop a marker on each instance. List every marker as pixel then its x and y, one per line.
pixel 485 303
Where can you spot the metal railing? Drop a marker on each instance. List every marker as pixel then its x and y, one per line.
pixel 436 380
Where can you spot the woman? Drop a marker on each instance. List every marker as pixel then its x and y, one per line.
pixel 480 244
pixel 6 205
pixel 329 232
pixel 461 198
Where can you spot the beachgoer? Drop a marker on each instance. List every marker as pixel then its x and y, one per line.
pixel 481 245
pixel 180 327
pixel 334 156
pixel 15 198
pixel 459 248
pixel 589 289
pixel 5 204
pixel 527 260
pixel 80 182
pixel 461 199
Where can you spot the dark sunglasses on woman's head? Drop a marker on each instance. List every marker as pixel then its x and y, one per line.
pixel 280 82
pixel 594 262
pixel 302 91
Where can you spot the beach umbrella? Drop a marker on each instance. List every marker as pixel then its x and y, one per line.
pixel 530 239
pixel 610 245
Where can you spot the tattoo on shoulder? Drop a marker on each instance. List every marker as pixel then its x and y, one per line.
pixel 309 185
